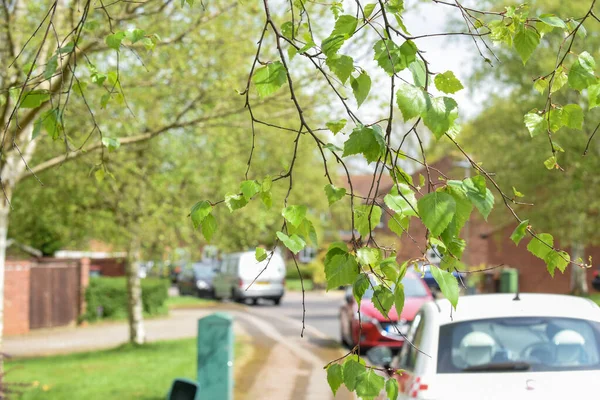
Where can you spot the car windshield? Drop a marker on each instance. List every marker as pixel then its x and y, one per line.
pixel 413 287
pixel 519 344
pixel 202 270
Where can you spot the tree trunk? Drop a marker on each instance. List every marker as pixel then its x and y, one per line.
pixel 579 284
pixel 135 309
pixel 4 210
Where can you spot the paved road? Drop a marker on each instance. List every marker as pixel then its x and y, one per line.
pixel 322 310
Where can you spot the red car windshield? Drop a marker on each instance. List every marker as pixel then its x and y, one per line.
pixel 413 287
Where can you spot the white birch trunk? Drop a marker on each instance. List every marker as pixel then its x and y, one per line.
pixel 135 311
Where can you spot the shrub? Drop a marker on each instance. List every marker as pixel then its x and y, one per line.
pixel 292 273
pixel 107 297
pixel 317 268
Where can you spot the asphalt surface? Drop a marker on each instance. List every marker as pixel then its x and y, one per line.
pixel 322 310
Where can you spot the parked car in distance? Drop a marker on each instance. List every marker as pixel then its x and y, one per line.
pixel 498 346
pixel 596 280
pixel 197 280
pixel 238 271
pixel 377 329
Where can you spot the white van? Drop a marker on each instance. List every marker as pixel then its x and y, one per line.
pixel 237 272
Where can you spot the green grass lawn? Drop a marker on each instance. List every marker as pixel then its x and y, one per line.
pixel 126 372
pixel 188 302
pixel 294 284
pixel 595 297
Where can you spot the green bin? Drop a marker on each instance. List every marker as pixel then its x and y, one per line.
pixel 509 280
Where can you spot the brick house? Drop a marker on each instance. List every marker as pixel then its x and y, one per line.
pixel 487 245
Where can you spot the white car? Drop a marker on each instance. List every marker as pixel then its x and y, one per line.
pixel 496 347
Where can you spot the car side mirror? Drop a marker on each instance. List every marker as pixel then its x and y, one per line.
pixel 381 356
pixel 349 298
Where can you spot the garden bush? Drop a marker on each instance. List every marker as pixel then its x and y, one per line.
pixel 106 298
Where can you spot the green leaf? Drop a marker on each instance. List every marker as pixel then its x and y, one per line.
pixel 520 232
pixel 535 123
pixel 392 58
pixel 464 207
pixel 369 384
pixel 334 377
pixel 68 48
pixel 199 211
pixel 294 243
pixel 557 259
pixel 550 163
pixel 250 188
pixel 447 82
pixel 209 227
pixel 560 79
pixel 99 175
pixel 135 35
pixel 336 126
pixel 367 141
pixel 51 67
pixel 368 256
pixel 270 78
pixel 306 230
pixel 525 42
pixel 260 254
pixel 398 224
pixel 342 66
pixel 541 245
pixel 287 30
pixel 361 86
pixel 399 298
pixel 582 72
pixel 34 98
pixel 383 299
pixel 114 40
pixel 267 199
pixel 37 128
pixel 341 267
pixel 517 193
pixel 294 214
pixel 345 25
pixel 483 201
pixel 553 20
pixel 541 85
pixel 111 144
pixel 400 176
pixel 556 119
pixel 352 369
pixel 333 193
pixel 359 287
pixel 436 210
pixel 368 10
pixel 411 100
pixel 573 116
pixel 332 147
pixel 391 387
pixel 403 202
pixel 440 115
pixel 395 6
pixel 447 283
pixel 364 225
pixel 235 201
pixel 51 122
pixel 594 96
pixel 389 268
pixel 419 73
pixel 332 44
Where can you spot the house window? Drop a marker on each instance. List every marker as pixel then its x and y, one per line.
pixel 307 254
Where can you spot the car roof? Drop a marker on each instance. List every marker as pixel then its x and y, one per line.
pixel 484 306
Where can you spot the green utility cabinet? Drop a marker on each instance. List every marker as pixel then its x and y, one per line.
pixel 215 356
pixel 509 280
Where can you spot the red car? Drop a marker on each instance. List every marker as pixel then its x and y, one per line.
pixel 378 330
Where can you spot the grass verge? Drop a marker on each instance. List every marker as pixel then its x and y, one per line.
pixel 126 372
pixel 188 302
pixel 295 285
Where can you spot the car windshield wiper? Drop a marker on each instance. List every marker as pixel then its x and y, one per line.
pixel 502 366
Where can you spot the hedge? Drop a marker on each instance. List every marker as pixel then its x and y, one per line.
pixel 292 273
pixel 106 298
